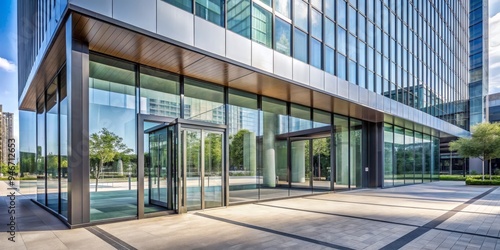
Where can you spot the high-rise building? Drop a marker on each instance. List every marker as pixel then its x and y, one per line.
pixel 6 133
pixel 211 103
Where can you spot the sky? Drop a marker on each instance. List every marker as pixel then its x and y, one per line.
pixel 8 54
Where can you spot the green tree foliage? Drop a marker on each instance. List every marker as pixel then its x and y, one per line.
pixel 236 148
pixel 104 147
pixel 483 144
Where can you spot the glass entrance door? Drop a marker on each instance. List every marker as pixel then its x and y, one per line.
pixel 161 171
pixel 203 159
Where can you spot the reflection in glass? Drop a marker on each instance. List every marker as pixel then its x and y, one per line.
pixel 262 26
pixel 52 153
pixel 212 179
pixel 282 36
pixel 282 7
pixel 356 157
pixel 330 9
pixel 300 117
pixel 341 67
pixel 193 168
pixel 329 60
pixel 203 101
pixel 183 4
pixel 243 129
pixel 341 12
pixel 341 40
pixel 274 149
pixel 211 10
pixel 300 16
pixel 28 149
pixel 321 118
pixel 238 17
pixel 316 25
pixel 329 33
pixel 399 147
pixel 409 158
pixel 388 155
pixel 112 119
pixel 300 45
pixel 159 93
pixel 341 130
pixel 427 145
pixel 321 164
pixel 418 147
pixel 40 152
pixel 315 59
pixel 301 168
pixel 63 136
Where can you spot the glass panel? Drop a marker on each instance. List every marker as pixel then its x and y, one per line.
pixel 40 152
pixel 315 59
pixel 262 26
pixel 301 168
pixel 273 168
pixel 341 12
pixel 238 17
pixel 418 146
pixel 321 118
pixel 352 20
pixel 28 149
pixel 267 2
pixel 427 158
pixel 203 101
pixel 356 154
pixel 341 130
pixel 159 93
pixel 158 170
pixel 243 129
pixel 300 118
pixel 329 33
pixel 300 45
pixel 341 67
pixel 282 37
pixel 409 158
pixel 321 164
pixel 300 16
pixel 341 40
pixel 112 142
pixel 329 60
pixel 388 155
pixel 211 10
pixel 63 143
pixel 317 25
pixel 282 7
pixel 213 169
pixel 399 147
pixel 52 148
pixel 330 9
pixel 317 4
pixel 193 168
pixel 183 4
pixel 435 162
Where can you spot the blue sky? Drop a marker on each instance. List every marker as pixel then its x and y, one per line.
pixel 8 53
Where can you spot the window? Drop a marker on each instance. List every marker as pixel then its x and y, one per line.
pixel 341 40
pixel 211 10
pixel 282 7
pixel 300 45
pixel 329 60
pixel 341 66
pixel 329 33
pixel 262 26
pixel 316 24
pixel 300 15
pixel 282 36
pixel 330 9
pixel 185 5
pixel 315 59
pixel 238 17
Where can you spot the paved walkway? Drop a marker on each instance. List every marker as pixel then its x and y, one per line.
pixel 442 215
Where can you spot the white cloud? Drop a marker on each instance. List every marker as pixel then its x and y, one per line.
pixel 6 65
pixel 494 54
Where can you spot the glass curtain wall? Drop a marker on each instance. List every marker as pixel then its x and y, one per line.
pixel 273 168
pixel 427 145
pixel 356 153
pixel 27 148
pixel 409 158
pixel 399 148
pixel 300 120
pixel 211 10
pixel 159 93
pixel 52 141
pixel 41 172
pixel 341 130
pixel 203 102
pixel 243 129
pixel 239 17
pixel 112 138
pixel 388 155
pixel 63 142
pixel 418 151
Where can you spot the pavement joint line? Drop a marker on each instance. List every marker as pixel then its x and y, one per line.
pixel 109 238
pixel 386 205
pixel 407 238
pixel 268 230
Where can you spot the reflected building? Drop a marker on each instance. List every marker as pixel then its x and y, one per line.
pixel 130 112
pixel 6 133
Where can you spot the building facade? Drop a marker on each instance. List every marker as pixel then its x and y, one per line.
pixel 168 106
pixel 6 133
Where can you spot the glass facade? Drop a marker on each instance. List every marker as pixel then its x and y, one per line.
pixel 478 88
pixel 410 157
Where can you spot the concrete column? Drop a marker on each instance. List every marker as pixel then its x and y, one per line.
pixel 250 153
pixel 298 162
pixel 269 153
pixel 77 77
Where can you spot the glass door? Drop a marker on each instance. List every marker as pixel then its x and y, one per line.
pixel 212 178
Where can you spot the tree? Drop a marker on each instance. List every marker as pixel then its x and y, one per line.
pixel 104 146
pixel 236 148
pixel 484 144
